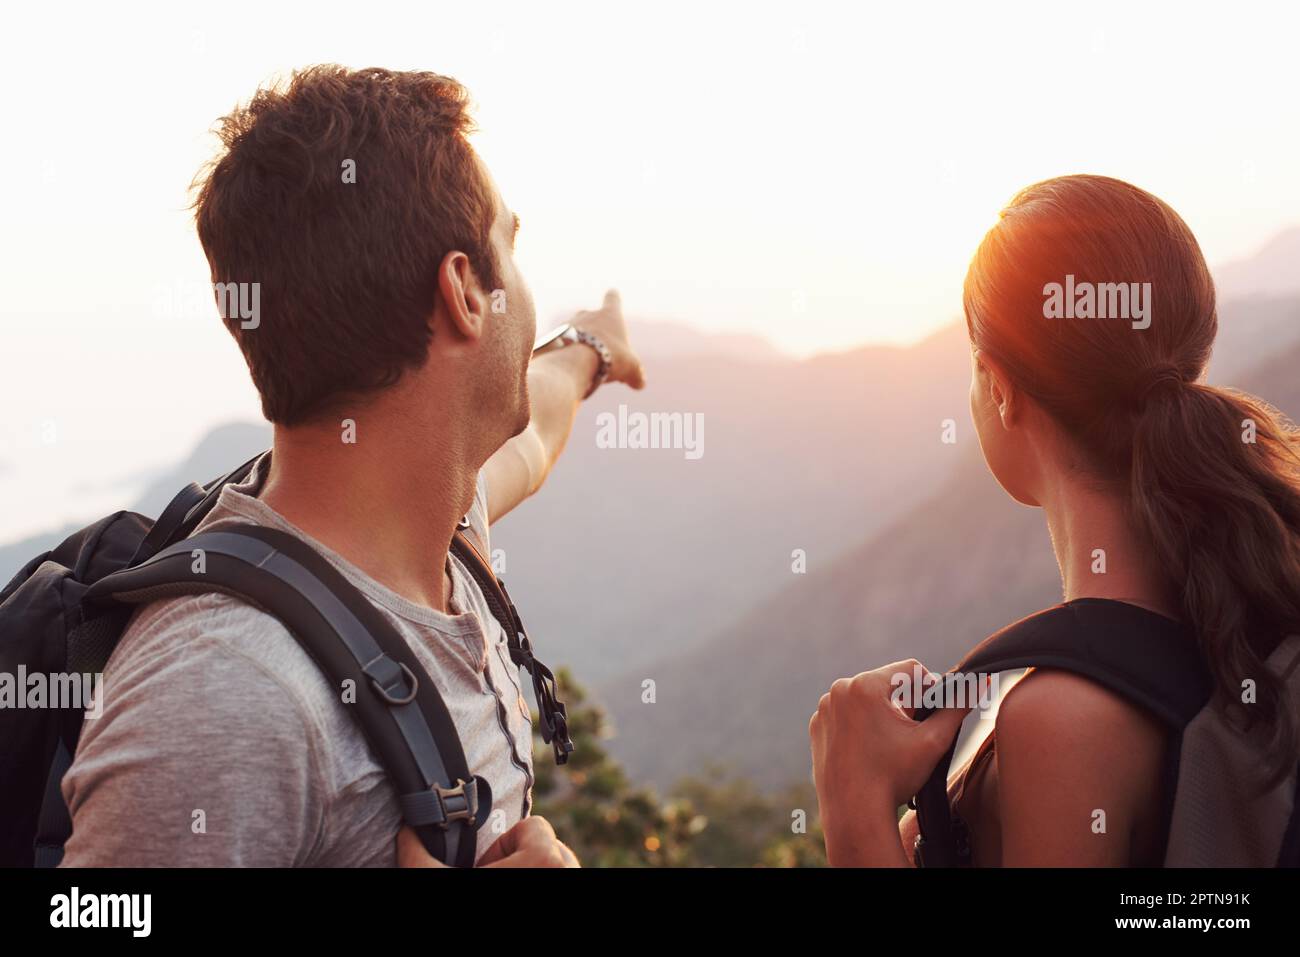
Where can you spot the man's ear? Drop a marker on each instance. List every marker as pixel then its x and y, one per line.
pixel 463 303
pixel 1002 392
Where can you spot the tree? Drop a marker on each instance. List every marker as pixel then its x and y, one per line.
pixel 713 821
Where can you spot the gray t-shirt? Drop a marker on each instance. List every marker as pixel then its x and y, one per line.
pixel 221 743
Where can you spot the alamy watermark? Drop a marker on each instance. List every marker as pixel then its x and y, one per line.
pixel 922 689
pixel 61 690
pixel 1107 300
pixel 129 911
pixel 241 301
pixel 651 430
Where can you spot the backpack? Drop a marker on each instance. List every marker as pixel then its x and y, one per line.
pixel 65 611
pixel 1218 811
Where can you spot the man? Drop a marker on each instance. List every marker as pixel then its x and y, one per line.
pixel 390 343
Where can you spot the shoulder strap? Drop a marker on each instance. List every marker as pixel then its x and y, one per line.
pixel 1150 660
pixel 193 502
pixel 552 712
pixel 397 705
pixel 186 509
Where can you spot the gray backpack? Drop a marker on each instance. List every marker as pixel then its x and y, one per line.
pixel 1222 814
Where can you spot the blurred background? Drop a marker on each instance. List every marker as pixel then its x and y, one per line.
pixel 787 198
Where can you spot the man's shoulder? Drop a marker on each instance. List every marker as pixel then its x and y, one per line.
pixel 205 622
pixel 204 643
pixel 209 703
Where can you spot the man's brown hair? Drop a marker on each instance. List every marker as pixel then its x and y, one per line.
pixel 346 271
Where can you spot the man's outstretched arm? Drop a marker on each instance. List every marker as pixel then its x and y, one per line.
pixel 557 382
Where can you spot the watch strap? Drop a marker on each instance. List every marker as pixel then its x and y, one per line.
pixel 602 352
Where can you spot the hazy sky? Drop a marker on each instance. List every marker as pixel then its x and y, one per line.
pixel 721 164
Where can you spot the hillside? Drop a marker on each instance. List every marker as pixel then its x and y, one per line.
pixel 931 585
pixel 628 555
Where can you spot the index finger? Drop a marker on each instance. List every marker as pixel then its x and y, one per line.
pixel 613 301
pixel 907 681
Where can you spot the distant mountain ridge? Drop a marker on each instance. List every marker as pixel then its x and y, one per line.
pixel 931 585
pixel 1272 272
pixel 665 339
pixel 626 554
pixel 216 453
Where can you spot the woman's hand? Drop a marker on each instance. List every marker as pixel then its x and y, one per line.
pixel 870 756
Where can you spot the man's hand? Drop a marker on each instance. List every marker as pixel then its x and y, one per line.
pixel 530 843
pixel 607 325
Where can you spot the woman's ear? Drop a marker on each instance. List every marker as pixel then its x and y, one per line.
pixel 462 301
pixel 1001 391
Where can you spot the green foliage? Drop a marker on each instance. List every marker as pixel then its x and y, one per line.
pixel 705 821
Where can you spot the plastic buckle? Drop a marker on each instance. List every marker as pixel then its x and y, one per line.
pixel 468 802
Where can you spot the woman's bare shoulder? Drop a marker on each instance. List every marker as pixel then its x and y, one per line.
pixel 1069 750
pixel 1072 709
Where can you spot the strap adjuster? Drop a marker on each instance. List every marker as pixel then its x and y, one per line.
pixel 459 803
pixel 441 807
pixel 391 679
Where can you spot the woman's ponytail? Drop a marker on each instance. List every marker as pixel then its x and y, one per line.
pixel 1215 489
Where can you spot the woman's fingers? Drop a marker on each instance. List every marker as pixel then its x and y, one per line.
pixel 940 728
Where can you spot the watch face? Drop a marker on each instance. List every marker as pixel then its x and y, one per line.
pixel 547 338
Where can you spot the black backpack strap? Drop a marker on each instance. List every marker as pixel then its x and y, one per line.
pixel 397 705
pixel 1147 658
pixel 186 509
pixel 54 825
pixel 551 710
pixel 169 522
pixel 89 645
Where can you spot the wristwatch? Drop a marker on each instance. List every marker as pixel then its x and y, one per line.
pixel 567 335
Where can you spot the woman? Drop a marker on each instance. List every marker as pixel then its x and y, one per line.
pixel 1193 493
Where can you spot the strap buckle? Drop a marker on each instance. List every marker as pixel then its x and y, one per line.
pixel 458 803
pixel 442 807
pixel 551 710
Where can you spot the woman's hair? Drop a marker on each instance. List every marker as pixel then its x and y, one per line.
pixel 1212 475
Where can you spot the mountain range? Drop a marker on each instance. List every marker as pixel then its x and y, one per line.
pixel 931 585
